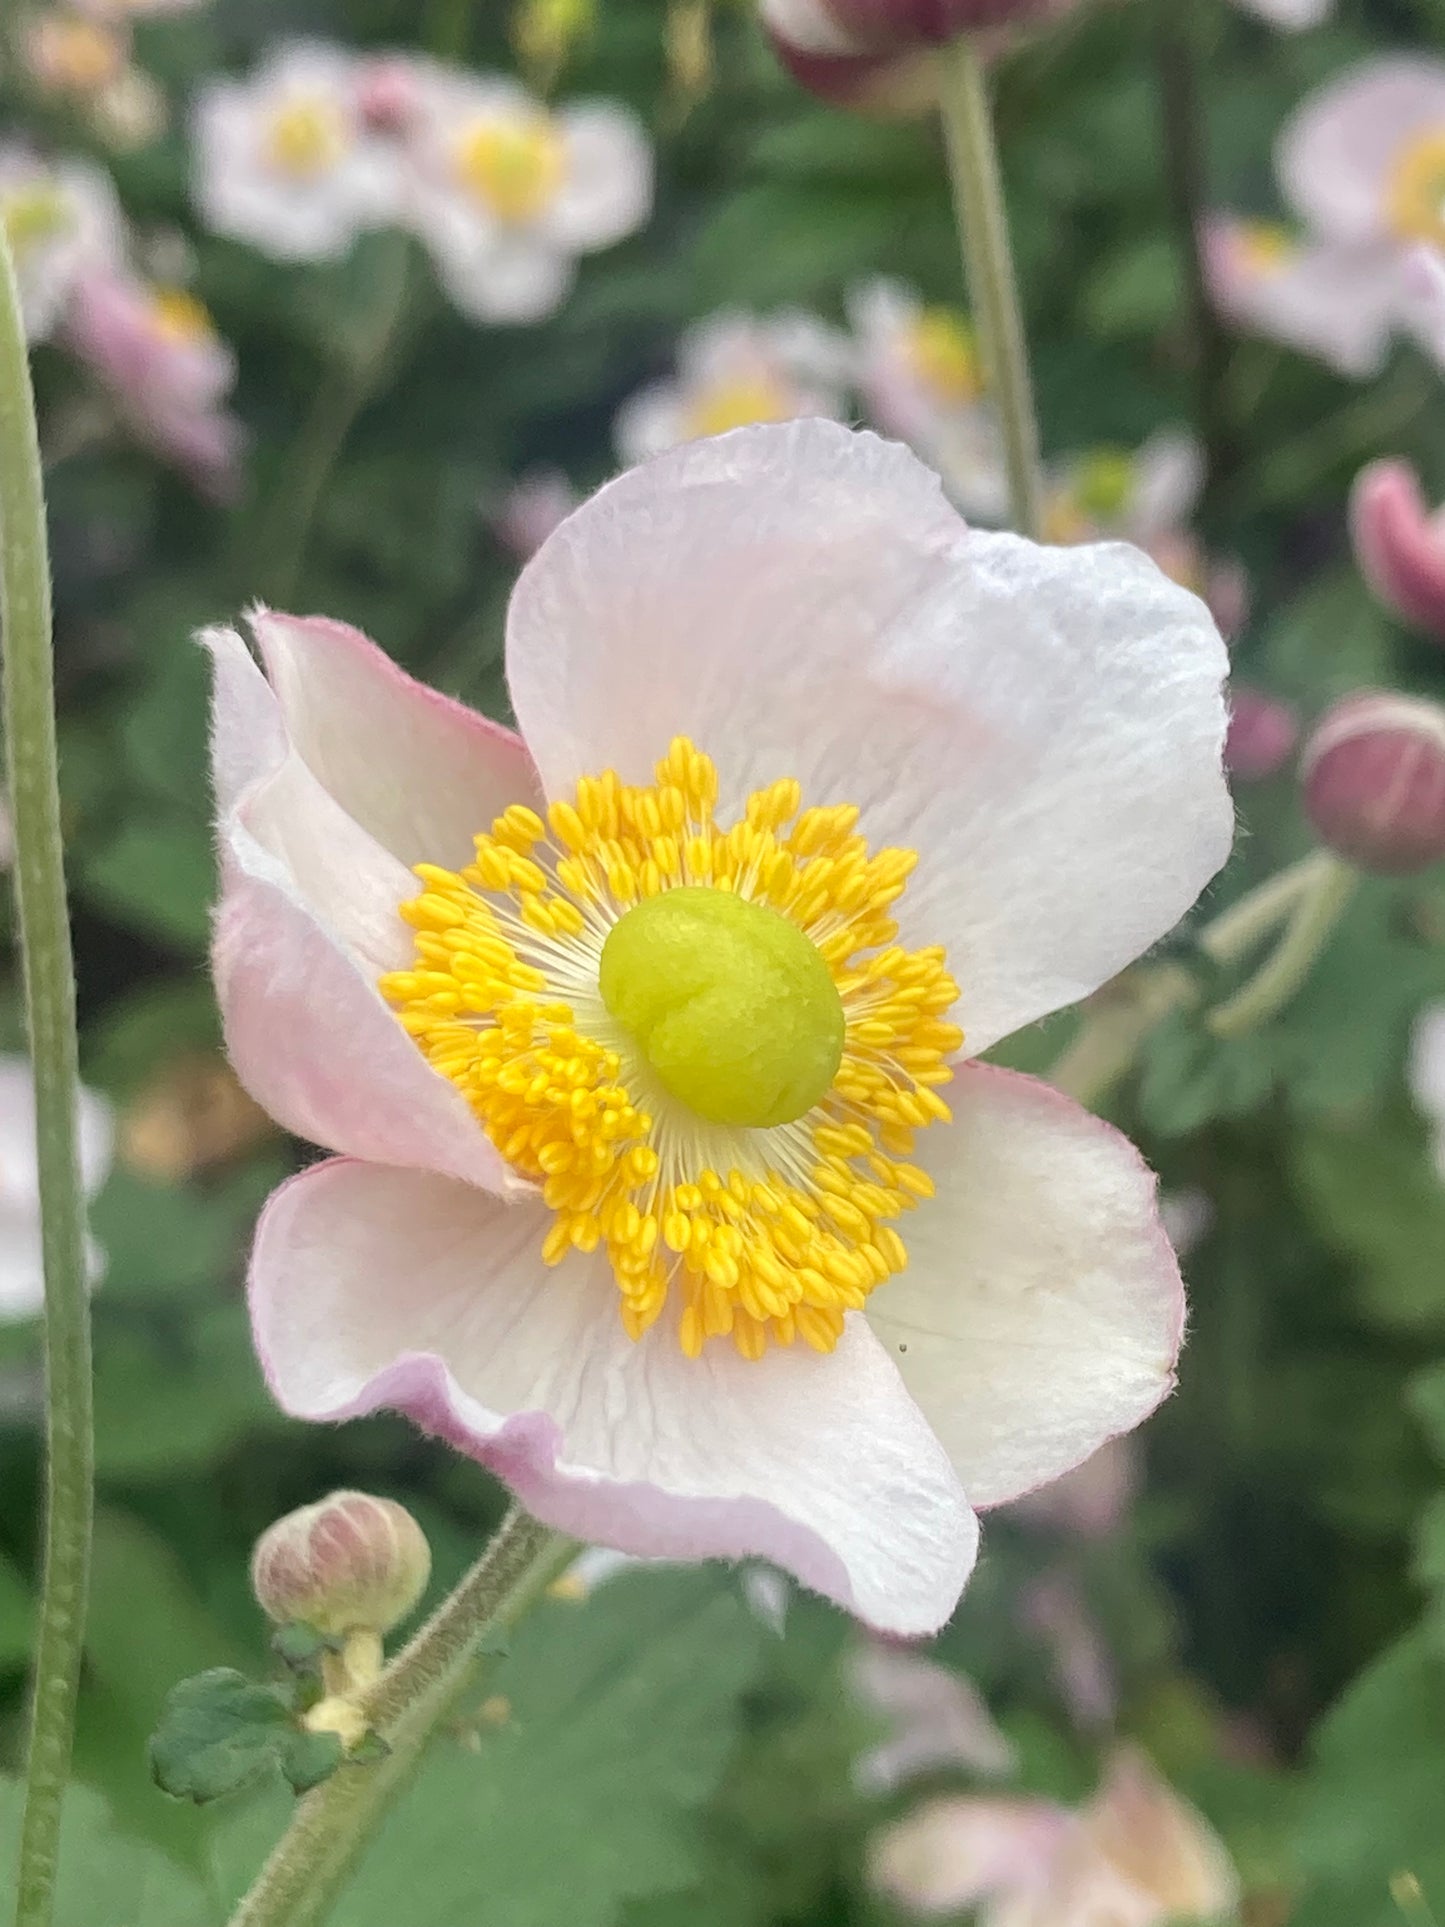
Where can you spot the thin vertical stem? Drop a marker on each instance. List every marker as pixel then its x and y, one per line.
pixel 1182 117
pixel 993 286
pixel 29 719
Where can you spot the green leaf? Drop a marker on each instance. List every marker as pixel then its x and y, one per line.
pixel 156 875
pixel 106 1879
pixel 219 1732
pixel 1373 1807
pixel 307 1759
pixel 624 1713
pixel 1375 1199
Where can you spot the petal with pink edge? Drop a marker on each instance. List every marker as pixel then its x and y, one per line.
pixel 1340 304
pixel 420 773
pixel 1042 1310
pixel 307 922
pixel 1400 544
pixel 1337 157
pixel 376 1287
pixel 1044 726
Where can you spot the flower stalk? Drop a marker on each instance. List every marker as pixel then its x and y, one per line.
pixel 978 200
pixel 332 1824
pixel 1315 913
pixel 48 973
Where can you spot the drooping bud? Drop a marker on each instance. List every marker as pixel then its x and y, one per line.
pixel 350 1563
pixel 1374 781
pixel 843 68
pixel 1400 544
pixel 1262 734
pixel 879 24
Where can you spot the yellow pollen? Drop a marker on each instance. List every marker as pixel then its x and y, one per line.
pixel 1265 246
pixel 180 317
pixel 944 356
pixel 739 403
pixel 1104 483
pixel 514 166
pixel 32 215
pixel 1415 195
pixel 307 138
pixel 765 1234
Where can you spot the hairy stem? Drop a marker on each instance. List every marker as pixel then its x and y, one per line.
pixel 48 971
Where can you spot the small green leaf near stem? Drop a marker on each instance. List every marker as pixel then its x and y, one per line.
pixel 47 967
pixel 993 285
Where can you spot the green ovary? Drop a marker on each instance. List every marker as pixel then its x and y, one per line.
pixel 732 1005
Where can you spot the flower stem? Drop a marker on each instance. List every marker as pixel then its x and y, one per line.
pixel 332 1824
pixel 1177 55
pixel 29 720
pixel 993 286
pixel 1314 916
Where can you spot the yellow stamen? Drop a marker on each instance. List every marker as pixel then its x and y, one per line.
pixel 739 403
pixel 1265 246
pixel 1415 197
pixel 180 317
pixel 515 166
pixel 944 355
pixel 33 214
pixel 765 1234
pixel 307 137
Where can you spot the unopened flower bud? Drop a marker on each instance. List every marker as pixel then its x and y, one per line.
pixel 347 1564
pixel 1400 544
pixel 1374 781
pixel 904 23
pixel 1262 734
pixel 838 67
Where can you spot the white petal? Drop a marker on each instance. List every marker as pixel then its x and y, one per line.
pixel 608 191
pixel 1045 726
pixel 375 1287
pixel 1337 156
pixel 1042 1309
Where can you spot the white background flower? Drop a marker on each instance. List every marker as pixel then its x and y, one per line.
pixel 22 1284
pixel 61 219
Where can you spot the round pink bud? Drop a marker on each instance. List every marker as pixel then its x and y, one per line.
pixel 347 1564
pixel 1374 781
pixel 889 85
pixel 388 93
pixel 1262 734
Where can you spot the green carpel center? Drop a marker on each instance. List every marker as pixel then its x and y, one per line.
pixel 732 1005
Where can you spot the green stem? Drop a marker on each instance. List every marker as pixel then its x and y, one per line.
pixel 993 286
pixel 29 714
pixel 1177 57
pixel 339 401
pixel 333 1824
pixel 1285 970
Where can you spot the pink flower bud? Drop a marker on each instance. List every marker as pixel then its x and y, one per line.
pixel 388 93
pixel 1262 734
pixel 839 68
pixel 1400 544
pixel 877 24
pixel 348 1564
pixel 1374 781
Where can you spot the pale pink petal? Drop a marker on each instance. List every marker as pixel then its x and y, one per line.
pixel 1337 156
pixel 932 1716
pixel 1340 304
pixel 1158 1843
pixel 1400 544
pixel 1426 1068
pixel 1094 1499
pixel 306 924
pixel 1422 290
pixel 375 1287
pixel 420 773
pixel 1042 1309
pixel 1044 726
pixel 951 1853
pixel 608 191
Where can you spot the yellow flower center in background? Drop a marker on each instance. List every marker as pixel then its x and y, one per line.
pixel 1265 246
pixel 307 138
pixel 32 215
pixel 1415 196
pixel 180 317
pixel 943 354
pixel 740 403
pixel 704 1044
pixel 1104 484
pixel 514 166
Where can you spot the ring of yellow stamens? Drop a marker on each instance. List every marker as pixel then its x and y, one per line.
pixel 764 1234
